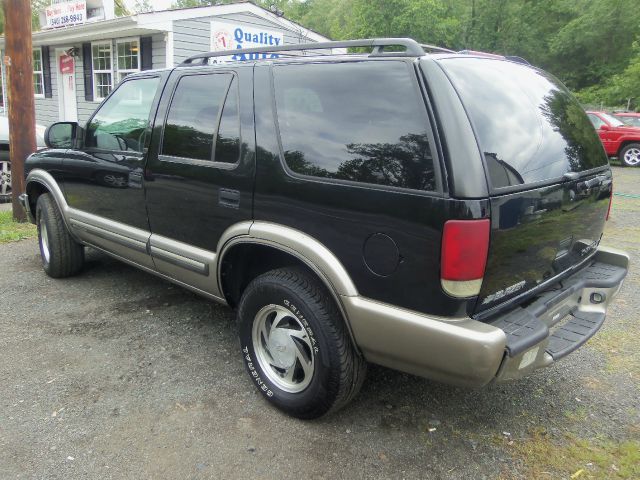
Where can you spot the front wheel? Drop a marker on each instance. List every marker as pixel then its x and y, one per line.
pixel 630 155
pixel 61 255
pixel 295 345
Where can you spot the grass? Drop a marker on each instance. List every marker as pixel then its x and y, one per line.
pixel 620 348
pixel 576 458
pixel 11 231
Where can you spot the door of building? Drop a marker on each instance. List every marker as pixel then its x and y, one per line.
pixel 65 64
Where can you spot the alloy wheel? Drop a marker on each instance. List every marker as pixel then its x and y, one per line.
pixel 632 156
pixel 283 348
pixel 5 178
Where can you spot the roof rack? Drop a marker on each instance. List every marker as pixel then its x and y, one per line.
pixel 412 49
pixel 435 48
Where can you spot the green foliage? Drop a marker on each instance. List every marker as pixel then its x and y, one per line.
pixel 588 44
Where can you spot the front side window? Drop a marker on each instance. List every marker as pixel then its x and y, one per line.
pixel 38 76
pixel 194 113
pixel 102 70
pixel 128 52
pixel 363 122
pixel 121 123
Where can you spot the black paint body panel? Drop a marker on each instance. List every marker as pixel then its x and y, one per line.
pixel 194 202
pixel 387 238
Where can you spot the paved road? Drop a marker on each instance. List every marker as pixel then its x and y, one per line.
pixel 117 374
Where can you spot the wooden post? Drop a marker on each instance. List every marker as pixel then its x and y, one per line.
pixel 22 116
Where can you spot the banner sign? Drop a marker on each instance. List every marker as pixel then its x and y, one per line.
pixel 233 36
pixel 67 64
pixel 65 14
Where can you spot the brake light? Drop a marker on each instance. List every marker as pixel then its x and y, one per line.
pixel 465 246
pixel 610 202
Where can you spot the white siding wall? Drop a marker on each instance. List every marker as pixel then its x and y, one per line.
pixel 191 37
pixel 46 108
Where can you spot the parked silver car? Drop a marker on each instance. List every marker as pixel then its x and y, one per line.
pixel 5 162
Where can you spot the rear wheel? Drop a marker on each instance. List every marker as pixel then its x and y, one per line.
pixel 630 155
pixel 61 255
pixel 295 345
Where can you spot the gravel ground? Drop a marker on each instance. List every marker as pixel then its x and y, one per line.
pixel 117 374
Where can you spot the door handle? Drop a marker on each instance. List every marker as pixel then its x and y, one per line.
pixel 229 198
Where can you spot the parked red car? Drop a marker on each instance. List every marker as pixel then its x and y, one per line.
pixel 619 140
pixel 629 118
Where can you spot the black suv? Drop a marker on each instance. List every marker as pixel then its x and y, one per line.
pixel 436 213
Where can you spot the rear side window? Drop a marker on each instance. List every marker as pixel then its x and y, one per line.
pixel 363 122
pixel 195 119
pixel 529 126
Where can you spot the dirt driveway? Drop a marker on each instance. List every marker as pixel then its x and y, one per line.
pixel 117 374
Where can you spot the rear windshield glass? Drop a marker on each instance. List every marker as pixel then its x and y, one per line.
pixel 529 126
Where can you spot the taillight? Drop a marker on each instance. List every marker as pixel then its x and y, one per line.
pixel 610 202
pixel 465 246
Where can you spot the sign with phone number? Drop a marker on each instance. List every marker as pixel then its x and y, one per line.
pixel 67 13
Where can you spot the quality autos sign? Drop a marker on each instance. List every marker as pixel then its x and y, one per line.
pixel 65 13
pixel 234 36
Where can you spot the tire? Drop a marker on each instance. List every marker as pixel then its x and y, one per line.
pixel 630 155
pixel 61 255
pixel 296 346
pixel 5 181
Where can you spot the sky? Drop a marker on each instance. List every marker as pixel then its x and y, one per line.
pixel 157 4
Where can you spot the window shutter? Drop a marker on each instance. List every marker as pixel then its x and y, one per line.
pixel 46 72
pixel 88 74
pixel 145 54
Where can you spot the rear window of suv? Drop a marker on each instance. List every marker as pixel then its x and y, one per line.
pixel 356 121
pixel 530 128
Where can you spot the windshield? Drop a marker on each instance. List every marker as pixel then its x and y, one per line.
pixel 528 125
pixel 611 120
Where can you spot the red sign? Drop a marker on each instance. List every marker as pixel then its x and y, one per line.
pixel 67 64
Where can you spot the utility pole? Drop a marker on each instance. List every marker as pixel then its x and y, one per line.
pixel 18 62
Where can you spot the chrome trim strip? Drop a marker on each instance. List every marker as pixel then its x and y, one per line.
pixel 180 261
pixel 163 276
pixel 111 236
pixel 111 227
pixel 191 265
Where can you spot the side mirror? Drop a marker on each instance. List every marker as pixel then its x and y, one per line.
pixel 61 135
pixel 605 127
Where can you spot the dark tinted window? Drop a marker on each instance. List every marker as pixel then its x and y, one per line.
pixel 362 121
pixel 529 126
pixel 193 116
pixel 122 121
pixel 228 138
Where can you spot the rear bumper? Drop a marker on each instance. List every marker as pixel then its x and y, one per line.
pixel 467 352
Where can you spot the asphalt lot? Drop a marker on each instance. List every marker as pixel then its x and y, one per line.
pixel 118 374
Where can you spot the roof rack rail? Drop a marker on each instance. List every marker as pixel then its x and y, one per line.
pixel 412 49
pixel 435 48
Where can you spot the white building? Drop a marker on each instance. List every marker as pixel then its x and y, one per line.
pixel 75 67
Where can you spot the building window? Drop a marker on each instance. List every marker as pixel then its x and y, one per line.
pixel 38 74
pixel 102 70
pixel 128 57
